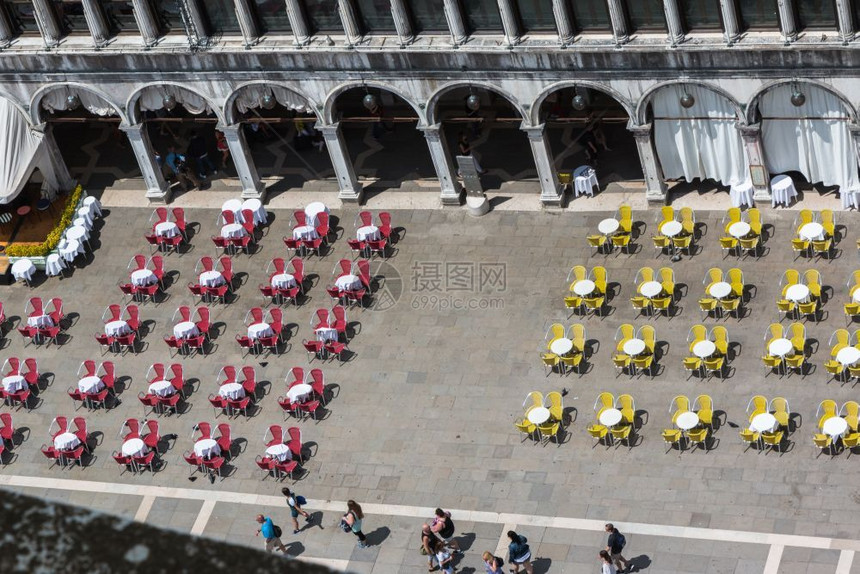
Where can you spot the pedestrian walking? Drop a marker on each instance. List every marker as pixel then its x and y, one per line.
pixel 271 533
pixel 606 566
pixel 519 553
pixel 428 546
pixel 222 146
pixel 493 564
pixel 295 502
pixel 614 545
pixel 198 150
pixel 351 522
pixel 443 527
pixel 445 558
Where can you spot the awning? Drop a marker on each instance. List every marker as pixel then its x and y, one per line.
pixel 20 152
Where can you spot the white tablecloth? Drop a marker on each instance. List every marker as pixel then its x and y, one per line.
pixel 283 281
pixel 256 206
pixel 54 265
pixel 40 321
pixel 742 194
pixel 687 420
pixel 348 282
pixel 233 391
pixel 607 226
pixel 764 422
pixel 66 441
pixel 23 269
pixel 584 287
pixel 561 346
pixel 313 209
pixel 739 229
pixel 326 334
pixel 848 355
pixel 117 328
pixel 720 289
pixel 133 447
pixel 797 293
pixel 206 447
pixel 166 229
pixel 258 330
pixel 82 222
pixel 538 415
pixel 782 190
pixel 368 233
pixel 14 383
pixel 584 181
pixel 71 249
pixel 305 232
pixel 211 278
pixel 850 198
pixel 234 206
pixel 671 228
pixel 162 388
pixel 811 231
pixel 185 329
pixel 143 277
pixel 93 205
pixel 610 417
pixel 90 384
pixel 280 451
pixel 299 393
pixel 651 288
pixel 704 349
pixel 634 347
pixel 835 426
pixel 85 213
pixel 780 347
pixel 233 230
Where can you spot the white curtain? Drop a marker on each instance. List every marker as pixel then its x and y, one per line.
pixel 252 97
pixel 813 138
pixel 152 99
pixel 19 151
pixel 700 142
pixel 56 101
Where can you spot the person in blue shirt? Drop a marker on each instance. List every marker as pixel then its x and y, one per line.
pixel 177 164
pixel 267 529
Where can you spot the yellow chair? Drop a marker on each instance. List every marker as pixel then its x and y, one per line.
pixel 822 441
pixel 854 282
pixel 643 363
pixel 851 412
pixel 731 306
pixel 771 363
pixel 732 216
pixel 598 276
pixel 598 242
pixel 822 247
pixel 838 341
pixel 774 331
pixel 826 410
pixel 641 304
pixel 728 244
pixel 756 406
pixel 715 365
pixel 800 247
pixel 773 439
pixel 621 362
pixel 604 401
pixel 720 336
pixel 550 362
pixel 698 437
pixel 785 307
pixel 553 402
pixel 576 333
pixel 692 365
pixel 780 410
pixel 625 218
pixel 736 280
pixel 688 220
pixel 828 222
pixel 755 220
pixel 850 442
pixel 795 362
pixel 834 368
pixel 624 333
pixel 797 334
pixel 549 431
pixel 803 217
pixel 661 243
pixel 667 280
pixel 576 273
pixel 572 362
pixel 697 333
pixel 684 242
pixel 598 432
pixel 555 331
pixel 854 371
pixel 750 437
pixel 594 304
pixel 704 407
pixel 672 437
pixel 626 405
pixel 572 304
pixel 812 279
pixel 713 275
pixel 809 309
pixel 525 427
pixel 622 433
pixel 852 310
pixel 667 214
pixel 662 304
pixel 622 241
pixel 789 278
pixel 680 404
pixel 564 178
pixel 707 305
pixel 644 275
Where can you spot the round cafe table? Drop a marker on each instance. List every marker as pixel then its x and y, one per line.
pixel 704 349
pixel 848 355
pixel 14 383
pixel 117 328
pixel 326 334
pixel 797 293
pixel 687 420
pixel 280 451
pixel 143 277
pixel 782 190
pixel 40 321
pixel 258 330
pixel 764 422
pixel 561 346
pixel 71 249
pixel 23 269
pixel 66 441
pixel 720 289
pixel 650 289
pixel 368 233
pixel 610 417
pixel 298 393
pixel 780 347
pixel 185 329
pixel 586 287
pixel 283 281
pixel 313 209
pixel 211 278
pixel 671 228
pixel 538 415
pixel 234 206
pixel 739 229
pixel 811 231
pixel 206 448
pixel 608 226
pixel 634 347
pixel 77 234
pixel 835 426
pixel 90 384
pixel 233 230
pixel 166 229
pixel 584 180
pixel 133 447
pixel 348 282
pixel 233 391
pixel 256 206
pixel 305 232
pixel 54 265
pixel 162 388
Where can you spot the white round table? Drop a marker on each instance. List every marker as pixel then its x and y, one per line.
pixel 234 206
pixel 634 347
pixel 280 451
pixel 608 226
pixel 561 346
pixel 584 180
pixel 233 230
pixel 40 321
pixel 811 231
pixel 671 228
pixel 298 393
pixel 90 385
pixel 741 194
pixel 326 334
pixel 143 277
pixel 185 329
pixel 834 426
pixel 166 229
pixel 856 296
pixel 258 330
pixel 650 288
pixel 83 222
pixel 782 190
pixel 610 417
pixel 848 355
pixel 538 415
pixel 117 328
pixel 256 206
pixel 764 422
pixel 780 347
pixel 54 264
pixel 797 293
pixel 14 383
pixel 233 391
pixel 586 287
pixel 23 269
pixel 305 232
pixel 739 229
pixel 687 420
pixel 66 441
pixel 211 278
pixel 77 233
pixel 133 447
pixel 206 447
pixel 315 208
pixel 720 289
pixel 368 233
pixel 162 388
pixel 283 281
pixel 86 214
pixel 93 204
pixel 348 282
pixel 704 349
pixel 71 249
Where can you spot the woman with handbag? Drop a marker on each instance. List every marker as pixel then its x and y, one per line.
pixel 351 522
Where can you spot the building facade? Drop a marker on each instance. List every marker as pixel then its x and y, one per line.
pixel 693 63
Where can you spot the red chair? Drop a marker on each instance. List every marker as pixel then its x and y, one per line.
pixel 88 368
pixel 218 403
pixel 137 263
pixel 145 460
pixel 56 313
pixel 289 407
pixel 169 403
pixel 155 373
pixel 359 248
pixel 314 348
pixel 227 271
pixel 158 268
pixel 365 218
pixel 148 291
pixel 153 240
pixel 62 424
pixel 22 398
pixel 205 430
pixel 295 441
pixel 214 464
pixel 276 321
pixel 317 382
pixel 128 289
pixel 127 341
pixel 294 244
pixel 310 407
pixel 204 264
pixel 161 215
pixel 133 319
pixel 77 396
pixel 220 242
pixel 196 289
pixel 173 343
pixel 253 316
pixel 80 429
pixel 277 433
pixel 178 379
pixel 322 319
pixel 197 342
pixel 204 324
pixel 2 317
pixel 312 245
pixel 248 221
pixel 184 312
pixel 250 379
pixel 234 405
pixel 299 219
pixel 322 227
pixel 335 293
pixel 193 460
pixel 343 267
pixel 228 217
pixel 179 219
pixel 378 247
pixel 298 272
pixel 51 454
pixel 266 464
pixel 294 375
pixel 268 291
pixel 148 401
pixel 35 307
pixel 173 242
pixel 14 366
pixel 364 272
pixel 280 267
pixel 49 334
pixel 339 323
pixel 353 297
pixel 28 332
pixel 112 313
pixel 73 456
pixel 152 438
pixel 229 374
pixel 219 292
pixel 335 348
pixel 385 224
pixel 246 344
pixel 7 431
pixel 290 294
pixel 99 398
pixel 272 343
pixel 286 467
pixel 122 460
pixel 133 427
pixel 108 375
pixel 224 440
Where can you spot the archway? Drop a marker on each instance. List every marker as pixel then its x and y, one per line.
pixel 491 122
pixel 386 149
pixel 279 126
pixel 588 126
pixel 805 132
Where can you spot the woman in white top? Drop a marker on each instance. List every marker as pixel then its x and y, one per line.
pixel 606 566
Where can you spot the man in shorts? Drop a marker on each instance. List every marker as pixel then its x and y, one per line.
pixel 267 529
pixel 294 502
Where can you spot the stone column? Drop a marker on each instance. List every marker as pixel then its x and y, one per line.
pixel 49 24
pixel 298 23
pixel 619 22
pixel 247 23
pixel 655 186
pixel 550 188
pixel 846 24
pixel 157 189
pixel 787 24
pixel 450 188
pixel 65 181
pixel 673 20
pixel 456 22
pixel 402 23
pixel 731 23
pixel 510 22
pixel 349 21
pixel 252 187
pixel 563 22
pixel 96 22
pixel 201 31
pixel 146 22
pixel 7 31
pixel 350 188
pixel 751 136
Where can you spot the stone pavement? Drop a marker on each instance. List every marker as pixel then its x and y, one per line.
pixel 422 415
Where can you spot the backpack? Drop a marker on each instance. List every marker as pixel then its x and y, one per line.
pixel 448 531
pixel 277 530
pixel 619 538
pixel 301 500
